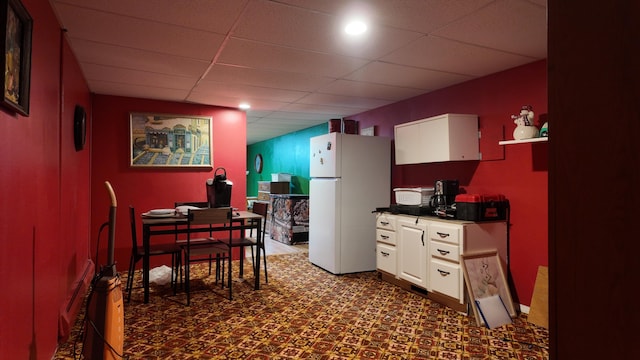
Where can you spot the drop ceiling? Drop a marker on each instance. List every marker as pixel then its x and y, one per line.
pixel 289 58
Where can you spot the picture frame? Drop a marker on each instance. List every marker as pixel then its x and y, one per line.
pixel 170 141
pixel 484 277
pixel 16 62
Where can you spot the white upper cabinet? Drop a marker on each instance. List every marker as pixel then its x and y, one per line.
pixel 447 137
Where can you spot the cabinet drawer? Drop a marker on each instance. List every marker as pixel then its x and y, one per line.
pixel 385 221
pixel 386 236
pixel 445 278
pixel 445 251
pixel 386 258
pixel 450 234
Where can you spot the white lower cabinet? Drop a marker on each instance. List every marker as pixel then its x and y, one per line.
pixel 386 259
pixel 425 251
pixel 413 251
pixel 446 279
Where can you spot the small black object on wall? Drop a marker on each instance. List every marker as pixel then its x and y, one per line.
pixel 79 127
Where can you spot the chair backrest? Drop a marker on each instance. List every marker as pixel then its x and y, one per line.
pixel 210 217
pixel 261 208
pixel 134 233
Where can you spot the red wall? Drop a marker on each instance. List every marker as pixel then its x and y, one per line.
pixel 44 226
pixel 517 171
pixel 148 188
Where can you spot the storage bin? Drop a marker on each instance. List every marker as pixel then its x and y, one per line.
pixel 481 207
pixel 413 196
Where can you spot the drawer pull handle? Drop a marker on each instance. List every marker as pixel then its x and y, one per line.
pixel 385 223
pixel 443 252
pixel 384 253
pixel 384 236
pixel 443 273
pixel 442 235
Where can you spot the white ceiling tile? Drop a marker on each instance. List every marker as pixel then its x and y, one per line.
pixel 108 28
pixel 441 54
pixel 95 72
pixel 138 91
pixel 406 76
pixel 259 55
pixel 195 14
pixel 131 58
pixel 372 90
pixel 341 100
pixel 266 78
pixel 516 26
pixel 248 91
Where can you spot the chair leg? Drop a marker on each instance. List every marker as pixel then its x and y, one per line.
pixel 229 277
pixel 130 274
pixel 264 258
pixel 186 278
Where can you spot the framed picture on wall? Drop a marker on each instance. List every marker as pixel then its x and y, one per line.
pixel 165 140
pixel 16 43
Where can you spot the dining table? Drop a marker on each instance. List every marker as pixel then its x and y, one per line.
pixel 177 224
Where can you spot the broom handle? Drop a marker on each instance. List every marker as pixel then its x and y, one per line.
pixel 112 226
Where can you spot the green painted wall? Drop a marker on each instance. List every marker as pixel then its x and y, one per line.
pixel 285 154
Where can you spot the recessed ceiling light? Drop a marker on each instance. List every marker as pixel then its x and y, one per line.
pixel 355 27
pixel 244 106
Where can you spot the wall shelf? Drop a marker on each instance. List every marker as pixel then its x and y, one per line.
pixel 510 142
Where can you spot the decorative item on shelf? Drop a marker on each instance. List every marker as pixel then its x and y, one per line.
pixel 544 130
pixel 525 128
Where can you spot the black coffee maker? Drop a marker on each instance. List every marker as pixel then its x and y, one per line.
pixel 444 195
pixel 219 189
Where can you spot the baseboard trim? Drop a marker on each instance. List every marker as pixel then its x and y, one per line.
pixel 71 307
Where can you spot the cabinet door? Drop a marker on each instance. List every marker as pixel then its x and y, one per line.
pixel 447 137
pixel 413 251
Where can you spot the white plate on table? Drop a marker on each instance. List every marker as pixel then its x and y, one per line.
pixel 160 213
pixel 184 209
pixel 151 215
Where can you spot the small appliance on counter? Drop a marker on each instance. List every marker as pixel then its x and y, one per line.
pixel 481 207
pixel 444 197
pixel 412 201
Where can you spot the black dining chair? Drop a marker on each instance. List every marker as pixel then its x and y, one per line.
pixel 199 249
pixel 224 217
pixel 182 242
pixel 137 253
pixel 261 208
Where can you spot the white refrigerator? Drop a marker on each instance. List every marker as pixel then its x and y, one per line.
pixel 350 178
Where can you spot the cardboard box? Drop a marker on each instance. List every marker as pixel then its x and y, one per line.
pixel 280 187
pixel 481 207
